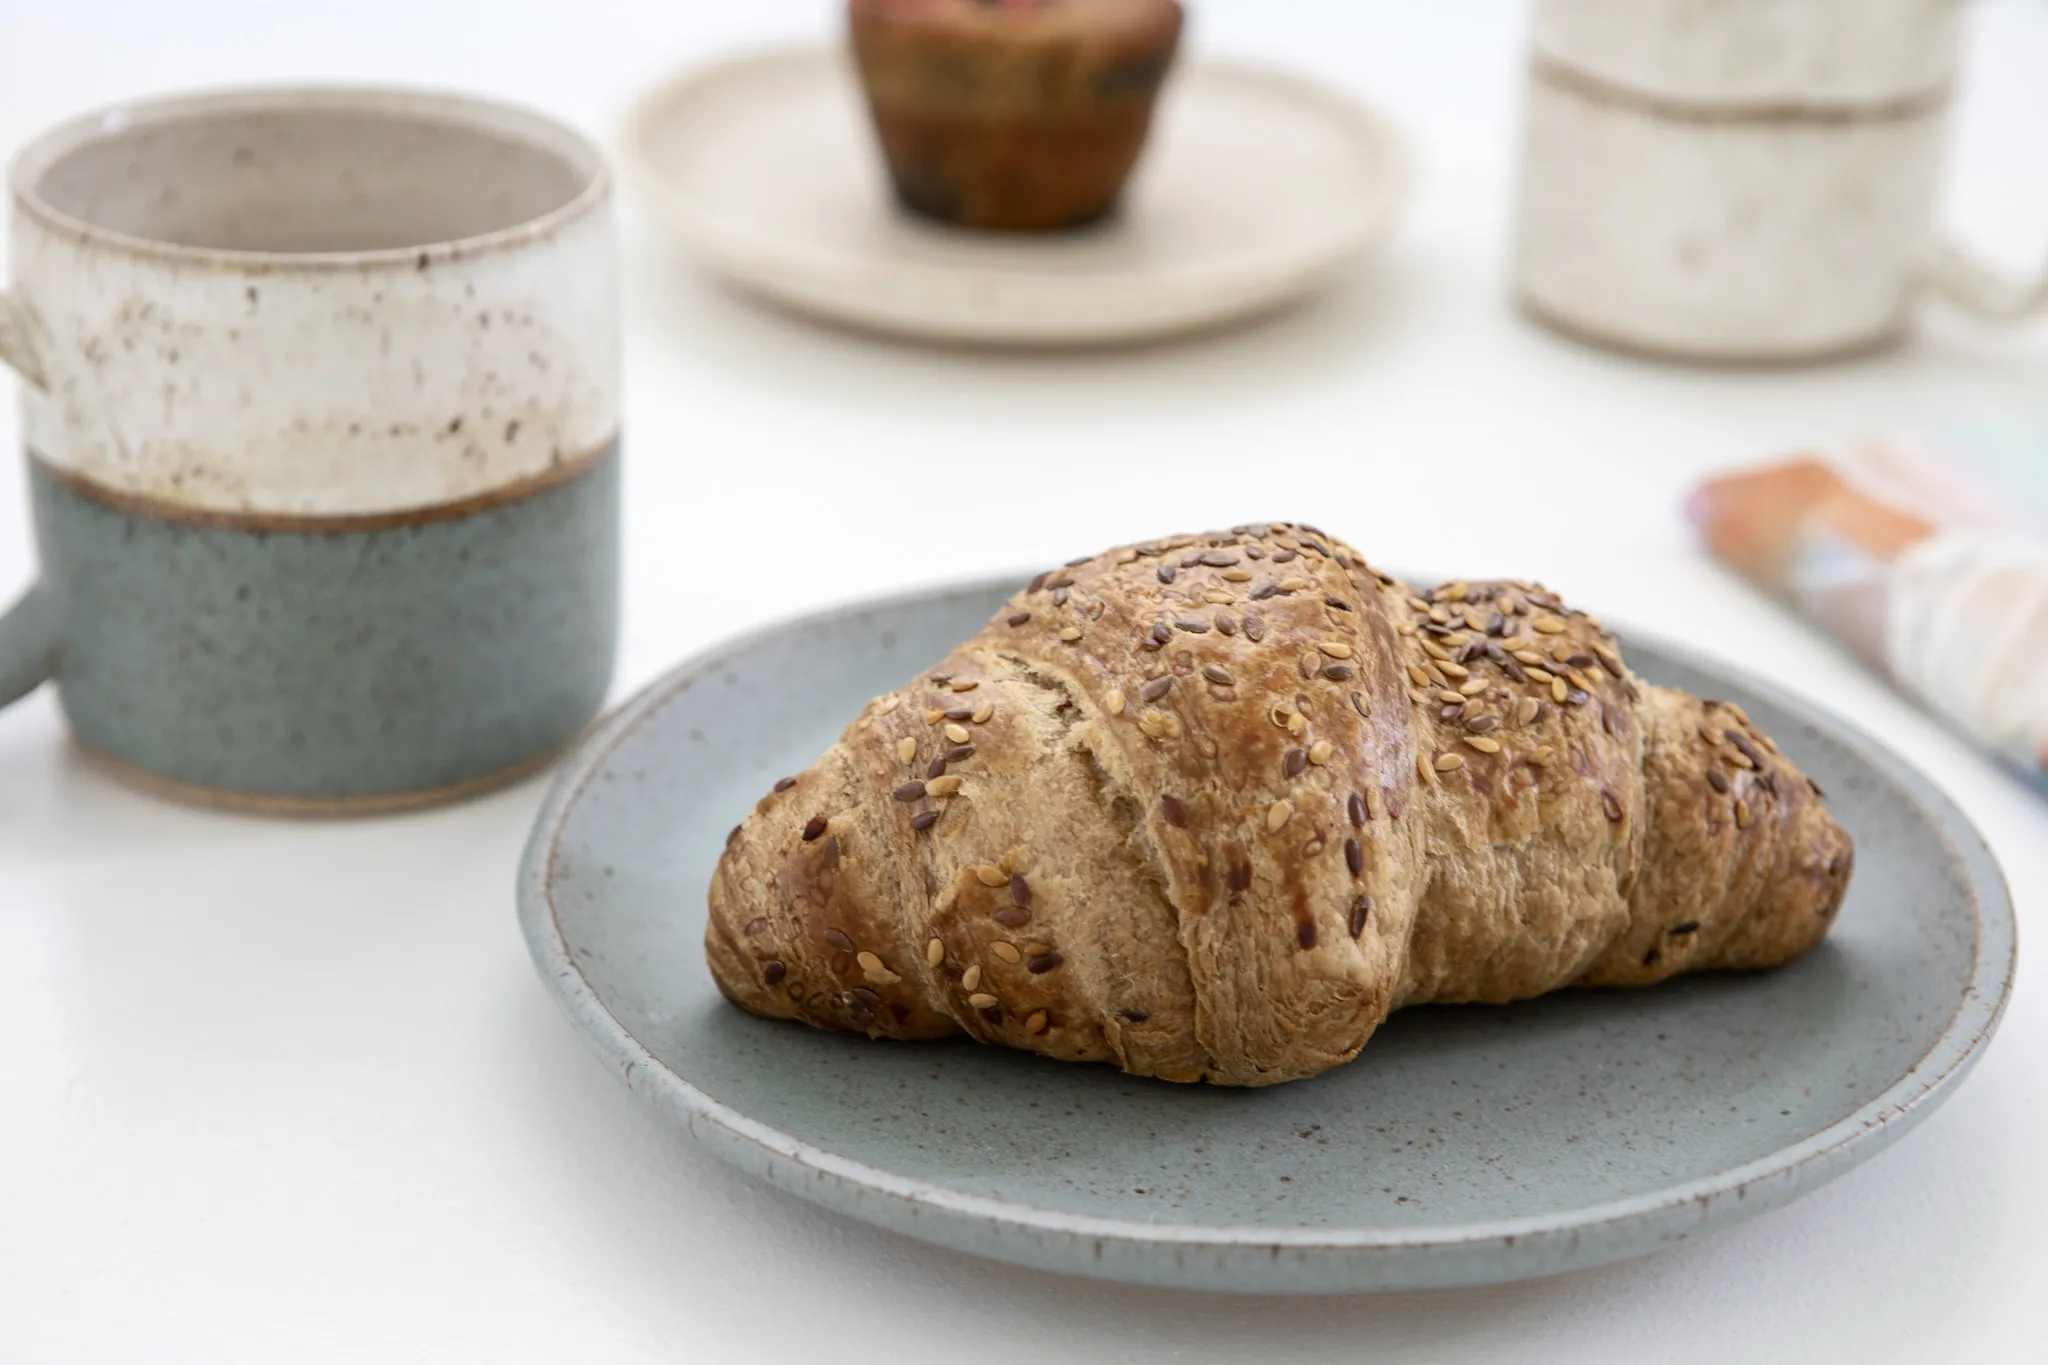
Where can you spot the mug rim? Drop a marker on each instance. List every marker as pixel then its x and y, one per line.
pixel 536 130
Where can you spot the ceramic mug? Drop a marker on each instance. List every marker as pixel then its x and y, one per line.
pixel 1748 180
pixel 320 401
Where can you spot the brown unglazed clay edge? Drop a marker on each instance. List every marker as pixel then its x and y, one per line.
pixel 279 803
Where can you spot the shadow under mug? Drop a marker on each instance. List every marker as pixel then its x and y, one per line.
pixel 320 407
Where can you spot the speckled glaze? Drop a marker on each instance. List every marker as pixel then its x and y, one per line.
pixel 320 399
pixel 1465 1145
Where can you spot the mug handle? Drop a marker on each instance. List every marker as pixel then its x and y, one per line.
pixel 28 631
pixel 1978 289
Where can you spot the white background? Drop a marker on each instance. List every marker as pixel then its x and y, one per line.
pixel 277 1091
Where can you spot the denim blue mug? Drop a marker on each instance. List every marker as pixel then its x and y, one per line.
pixel 320 401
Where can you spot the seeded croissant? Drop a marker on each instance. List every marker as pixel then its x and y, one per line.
pixel 1210 808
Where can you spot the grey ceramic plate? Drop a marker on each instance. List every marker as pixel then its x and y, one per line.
pixel 1464 1145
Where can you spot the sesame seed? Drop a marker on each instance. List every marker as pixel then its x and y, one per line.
pixel 965 686
pixel 1741 813
pixel 1424 771
pixel 1373 803
pixel 1540 755
pixel 839 940
pixel 773 971
pixel 924 820
pixel 814 828
pixel 1278 814
pixel 983 712
pixel 1296 724
pixel 1526 709
pixel 956 732
pixel 971 978
pixel 1038 964
pixel 935 952
pixel 1474 687
pixel 1558 691
pixel 933 717
pixel 1417 676
pixel 1125 556
pixel 909 791
pixel 944 786
pixel 1159 725
pixel 1218 674
pixel 1529 657
pixel 1216 597
pixel 1036 1022
pixel 869 962
pixel 1547 625
pixel 981 1000
pixel 1006 951
pixel 1155 689
pixel 1237 575
pixel 1451 698
pixel 988 874
pixel 1319 752
pixel 1354 855
pixel 1453 670
pixel 1482 744
pixel 906 749
pixel 1070 633
pixel 1449 762
pixel 1405 628
pixel 1336 649
pixel 1310 664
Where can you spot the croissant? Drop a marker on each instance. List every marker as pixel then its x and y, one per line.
pixel 1211 807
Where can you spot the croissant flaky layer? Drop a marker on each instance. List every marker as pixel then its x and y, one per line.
pixel 1212 807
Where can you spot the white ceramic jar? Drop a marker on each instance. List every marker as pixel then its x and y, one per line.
pixel 1744 180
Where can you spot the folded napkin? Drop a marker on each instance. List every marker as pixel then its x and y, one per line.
pixel 1926 555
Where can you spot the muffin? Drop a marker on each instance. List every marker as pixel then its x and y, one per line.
pixel 1012 115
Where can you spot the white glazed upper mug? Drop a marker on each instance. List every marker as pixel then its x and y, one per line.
pixel 1744 180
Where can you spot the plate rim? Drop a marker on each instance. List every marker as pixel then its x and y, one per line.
pixel 1663 1215
pixel 1246 289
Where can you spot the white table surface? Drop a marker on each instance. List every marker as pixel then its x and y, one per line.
pixel 276 1091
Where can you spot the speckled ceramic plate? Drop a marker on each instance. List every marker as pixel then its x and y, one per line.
pixel 1256 186
pixel 1464 1145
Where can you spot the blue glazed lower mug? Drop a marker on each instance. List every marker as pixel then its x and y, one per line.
pixel 322 448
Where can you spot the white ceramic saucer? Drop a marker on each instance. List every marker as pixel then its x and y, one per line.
pixel 1256 187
